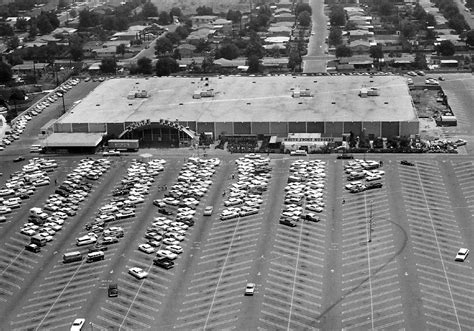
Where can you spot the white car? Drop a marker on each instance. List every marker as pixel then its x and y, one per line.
pixel 147 248
pixel 166 253
pixel 77 324
pixel 250 289
pixel 174 249
pixel 372 178
pixel 170 241
pixel 138 272
pixel 462 254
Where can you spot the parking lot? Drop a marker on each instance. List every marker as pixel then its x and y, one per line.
pixel 378 258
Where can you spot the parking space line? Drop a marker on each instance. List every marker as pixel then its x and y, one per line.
pixel 50 285
pixel 437 302
pixel 212 325
pixel 217 268
pixel 110 323
pixel 301 309
pixel 190 315
pixel 234 250
pixel 3 280
pixel 195 279
pixel 364 306
pixel 273 324
pixel 250 226
pixel 5 291
pixel 136 311
pixel 436 325
pixel 59 275
pixel 300 325
pixel 358 325
pixel 60 318
pixel 235 290
pixel 213 282
pixel 246 253
pixel 220 246
pixel 226 242
pixel 111 312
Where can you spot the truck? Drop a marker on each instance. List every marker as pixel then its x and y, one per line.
pixel 123 144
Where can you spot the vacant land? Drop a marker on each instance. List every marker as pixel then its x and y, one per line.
pixel 188 7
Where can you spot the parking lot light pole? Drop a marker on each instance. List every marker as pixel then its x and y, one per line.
pixel 370 223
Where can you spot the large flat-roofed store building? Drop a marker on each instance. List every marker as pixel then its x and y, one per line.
pixel 165 111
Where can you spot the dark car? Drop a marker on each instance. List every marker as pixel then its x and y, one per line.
pixel 407 163
pixel 370 186
pixel 97 248
pixel 33 248
pixel 19 159
pixel 357 176
pixel 345 157
pixel 112 291
pixel 286 222
pixel 358 189
pixel 163 262
pixel 165 211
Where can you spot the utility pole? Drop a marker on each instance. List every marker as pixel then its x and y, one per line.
pixel 370 222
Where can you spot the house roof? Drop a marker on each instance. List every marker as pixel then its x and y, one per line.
pixel 229 63
pixel 187 46
pixel 78 139
pixel 277 40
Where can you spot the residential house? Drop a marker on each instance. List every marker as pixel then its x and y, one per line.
pixel 223 25
pixel 272 63
pixel 203 19
pixel 281 11
pixel 277 30
pixel 284 17
pixel 105 52
pixel 29 68
pixel 285 4
pixel 65 32
pixel 186 50
pixel 359 35
pixel 359 46
pixel 115 43
pixel 126 35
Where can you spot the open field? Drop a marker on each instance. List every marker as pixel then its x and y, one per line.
pixel 189 6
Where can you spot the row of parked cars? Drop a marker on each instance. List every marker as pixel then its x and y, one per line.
pixel 23 183
pixel 20 123
pixel 245 195
pixel 129 192
pixel 44 222
pixel 304 193
pixel 368 170
pixel 176 211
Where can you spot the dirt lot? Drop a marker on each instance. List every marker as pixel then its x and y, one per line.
pixel 189 6
pixel 425 103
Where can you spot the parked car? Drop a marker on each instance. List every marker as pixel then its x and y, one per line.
pixel 462 254
pixel 407 163
pixel 138 272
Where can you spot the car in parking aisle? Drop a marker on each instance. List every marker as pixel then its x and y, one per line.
pixel 462 254
pixel 138 273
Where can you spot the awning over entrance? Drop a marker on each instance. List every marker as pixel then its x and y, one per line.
pixel 81 139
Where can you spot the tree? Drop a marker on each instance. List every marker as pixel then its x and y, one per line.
pixel 21 24
pixel 335 36
pixel 304 19
pixel 254 46
pixel 163 45
pixel 166 66
pixel 420 61
pixel 144 66
pixel 470 38
pixel 62 4
pixel 409 30
pixel 87 19
pixel 164 18
pixel 207 64
pixel 430 20
pixel 234 15
pixel 109 23
pixel 176 12
pixel 75 49
pixel 6 30
pixel 446 48
pixel 108 65
pixel 203 10
pixel 33 31
pixel 343 51
pixel 386 8
pixel 337 16
pixel 121 49
pixel 149 10
pixel 301 7
pixel 13 42
pixel 294 60
pixel 254 64
pixel 228 51
pixel 44 25
pixel 121 23
pixel 5 72
pixel 182 31
pixel 376 52
pixel 173 37
pixel 73 13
